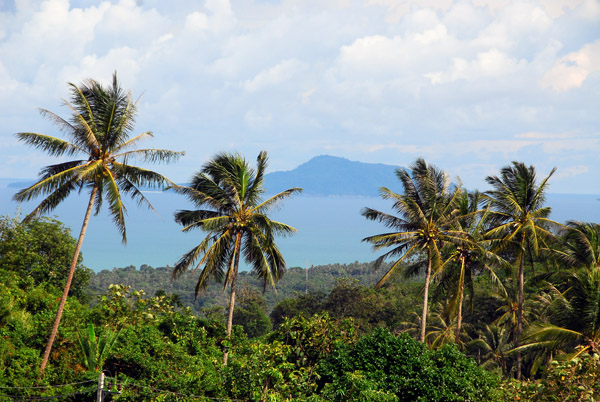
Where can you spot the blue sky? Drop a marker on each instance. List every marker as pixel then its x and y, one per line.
pixel 468 85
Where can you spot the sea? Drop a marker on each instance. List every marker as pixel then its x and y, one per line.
pixel 329 229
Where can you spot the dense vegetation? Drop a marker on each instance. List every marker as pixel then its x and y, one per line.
pixel 504 302
pixel 341 340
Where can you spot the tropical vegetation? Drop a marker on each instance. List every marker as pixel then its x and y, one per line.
pixel 484 297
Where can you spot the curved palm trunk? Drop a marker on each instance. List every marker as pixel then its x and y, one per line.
pixel 520 307
pixel 461 295
pixel 63 300
pixel 236 262
pixel 425 297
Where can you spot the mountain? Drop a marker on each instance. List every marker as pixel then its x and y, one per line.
pixel 333 176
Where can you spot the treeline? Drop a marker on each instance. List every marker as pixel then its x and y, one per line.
pixel 349 343
pixel 153 348
pixel 296 281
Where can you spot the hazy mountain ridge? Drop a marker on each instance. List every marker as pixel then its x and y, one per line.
pixel 327 175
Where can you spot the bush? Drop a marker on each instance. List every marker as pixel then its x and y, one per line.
pixel 573 380
pixel 385 364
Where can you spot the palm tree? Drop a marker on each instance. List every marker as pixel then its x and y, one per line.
pixel 580 245
pixel 521 221
pixel 100 130
pixel 235 222
pixel 574 316
pixel 574 312
pixel 441 327
pixel 492 348
pixel 426 215
pixel 468 254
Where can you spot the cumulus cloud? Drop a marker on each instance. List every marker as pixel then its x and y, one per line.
pixel 573 69
pixel 490 64
pixel 376 79
pixel 275 75
pixel 570 171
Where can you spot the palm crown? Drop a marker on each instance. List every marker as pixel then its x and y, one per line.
pixel 99 130
pixel 236 218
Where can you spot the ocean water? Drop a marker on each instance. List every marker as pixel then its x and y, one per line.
pixel 330 229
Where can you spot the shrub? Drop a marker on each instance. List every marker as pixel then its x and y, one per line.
pixel 398 365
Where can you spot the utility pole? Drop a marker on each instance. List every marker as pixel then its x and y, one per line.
pixel 100 394
pixel 306 282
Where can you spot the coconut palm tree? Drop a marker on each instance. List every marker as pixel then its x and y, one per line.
pixel 234 218
pixel 520 221
pixel 426 208
pixel 492 348
pixel 468 254
pixel 100 131
pixel 580 245
pixel 574 316
pixel 573 313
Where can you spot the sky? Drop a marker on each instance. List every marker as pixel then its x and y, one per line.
pixel 468 85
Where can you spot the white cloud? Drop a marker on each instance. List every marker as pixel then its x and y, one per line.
pixel 377 79
pixel 305 96
pixel 589 10
pixel 573 69
pixel 396 9
pixel 489 64
pixel 562 146
pixel 196 21
pixel 275 75
pixel 256 119
pixel 544 136
pixel 557 8
pixel 222 18
pixel 570 171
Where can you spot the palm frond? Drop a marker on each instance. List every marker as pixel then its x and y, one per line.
pixel 51 145
pixel 152 155
pixel 115 205
pixel 63 174
pixel 270 202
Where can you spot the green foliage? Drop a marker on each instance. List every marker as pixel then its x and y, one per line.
pixel 95 349
pixel 251 313
pixel 565 381
pixel 144 356
pixel 321 280
pixel 406 368
pixel 40 251
pixel 261 371
pixel 313 338
pixel 356 387
pixel 282 367
pixel 304 304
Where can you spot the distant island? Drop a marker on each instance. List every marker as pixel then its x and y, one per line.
pixel 327 175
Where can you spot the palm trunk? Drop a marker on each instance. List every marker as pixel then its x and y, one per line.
pixel 530 255
pixel 461 294
pixel 520 307
pixel 425 297
pixel 236 262
pixel 63 300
